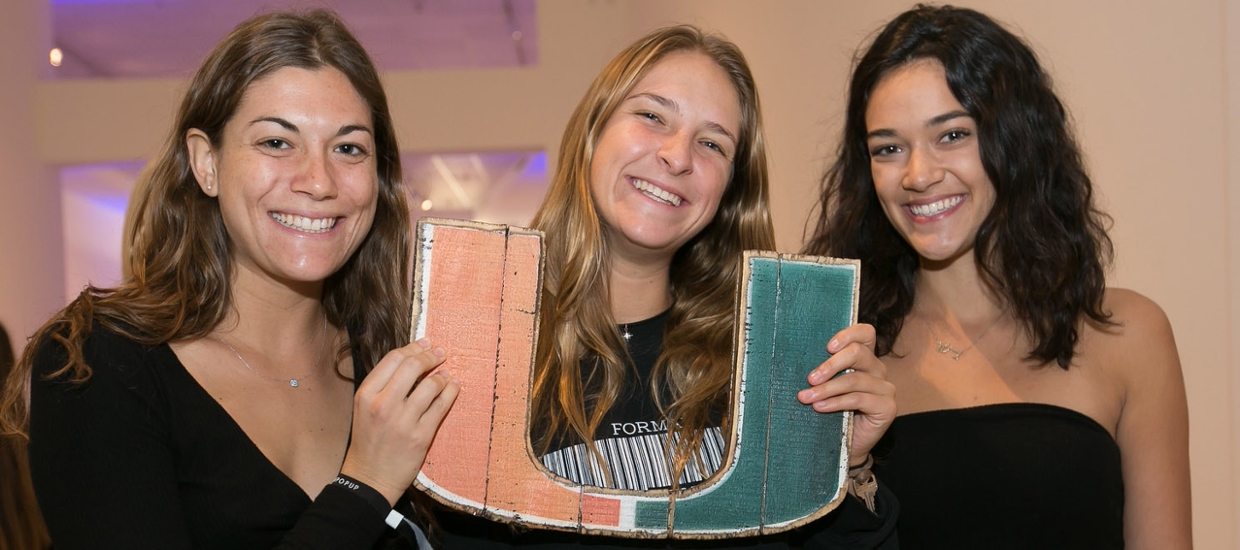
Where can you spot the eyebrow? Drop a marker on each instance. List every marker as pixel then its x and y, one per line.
pixel 950 115
pixel 946 117
pixel 344 130
pixel 668 103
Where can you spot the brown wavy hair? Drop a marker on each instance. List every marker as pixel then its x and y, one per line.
pixel 179 269
pixel 1043 245
pixel 21 523
pixel 691 376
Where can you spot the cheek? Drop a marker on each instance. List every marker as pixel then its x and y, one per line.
pixel 882 189
pixel 716 190
pixel 610 141
pixel 363 198
pixel 596 172
pixel 600 154
pixel 718 174
pixel 888 197
pixel 370 204
pixel 364 185
pixel 884 174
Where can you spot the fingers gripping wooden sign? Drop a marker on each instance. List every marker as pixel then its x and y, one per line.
pixel 476 291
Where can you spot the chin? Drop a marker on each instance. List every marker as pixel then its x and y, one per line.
pixel 312 273
pixel 943 255
pixel 654 240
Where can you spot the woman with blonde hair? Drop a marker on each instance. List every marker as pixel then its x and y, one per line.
pixel 249 385
pixel 661 184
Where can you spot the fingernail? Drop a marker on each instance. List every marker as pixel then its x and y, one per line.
pixel 439 352
pixel 833 345
pixel 425 343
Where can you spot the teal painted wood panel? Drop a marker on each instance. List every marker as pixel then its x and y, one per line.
pixel 787 465
pixel 734 504
pixel 815 302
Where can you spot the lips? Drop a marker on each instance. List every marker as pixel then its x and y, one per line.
pixel 936 207
pixel 304 224
pixel 657 193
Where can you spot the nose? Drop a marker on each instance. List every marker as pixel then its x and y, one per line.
pixel 677 153
pixel 316 177
pixel 923 170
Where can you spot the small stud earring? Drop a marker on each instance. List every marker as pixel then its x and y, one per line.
pixel 208 187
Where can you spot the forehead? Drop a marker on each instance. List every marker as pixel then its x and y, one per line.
pixel 915 91
pixel 697 84
pixel 322 92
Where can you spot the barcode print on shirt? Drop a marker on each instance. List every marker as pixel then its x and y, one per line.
pixel 637 463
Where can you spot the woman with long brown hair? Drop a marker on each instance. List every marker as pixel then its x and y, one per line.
pixel 21 524
pixel 215 399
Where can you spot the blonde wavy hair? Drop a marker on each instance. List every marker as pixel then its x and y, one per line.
pixel 691 377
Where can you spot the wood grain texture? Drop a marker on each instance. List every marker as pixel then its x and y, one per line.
pixel 476 292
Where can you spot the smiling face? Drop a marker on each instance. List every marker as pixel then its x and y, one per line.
pixel 294 173
pixel 925 161
pixel 664 157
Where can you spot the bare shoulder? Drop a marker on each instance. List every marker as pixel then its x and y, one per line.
pixel 1139 345
pixel 1139 353
pixel 1138 320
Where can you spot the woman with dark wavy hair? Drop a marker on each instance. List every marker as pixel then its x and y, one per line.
pixel 215 399
pixel 661 185
pixel 1038 408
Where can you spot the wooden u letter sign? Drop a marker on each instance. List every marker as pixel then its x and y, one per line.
pixel 476 292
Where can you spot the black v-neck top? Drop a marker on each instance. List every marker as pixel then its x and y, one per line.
pixel 141 456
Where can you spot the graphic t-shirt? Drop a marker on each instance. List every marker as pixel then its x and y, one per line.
pixel 632 438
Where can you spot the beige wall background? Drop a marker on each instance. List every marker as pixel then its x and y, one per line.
pixel 1154 86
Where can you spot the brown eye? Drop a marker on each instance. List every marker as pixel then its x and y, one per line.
pixel 884 150
pixel 953 136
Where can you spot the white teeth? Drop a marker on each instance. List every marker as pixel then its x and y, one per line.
pixel 655 193
pixel 927 210
pixel 302 223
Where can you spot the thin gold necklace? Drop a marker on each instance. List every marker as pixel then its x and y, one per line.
pixel 946 348
pixel 292 382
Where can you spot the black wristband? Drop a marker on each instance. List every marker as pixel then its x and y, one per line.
pixel 869 463
pixel 364 492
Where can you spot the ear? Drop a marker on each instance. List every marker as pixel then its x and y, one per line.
pixel 202 161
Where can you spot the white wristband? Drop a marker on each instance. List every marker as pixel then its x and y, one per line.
pixel 394 518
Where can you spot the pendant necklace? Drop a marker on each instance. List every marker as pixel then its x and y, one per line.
pixel 292 382
pixel 946 348
pixel 626 334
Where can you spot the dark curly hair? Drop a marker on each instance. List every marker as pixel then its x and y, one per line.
pixel 1043 246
